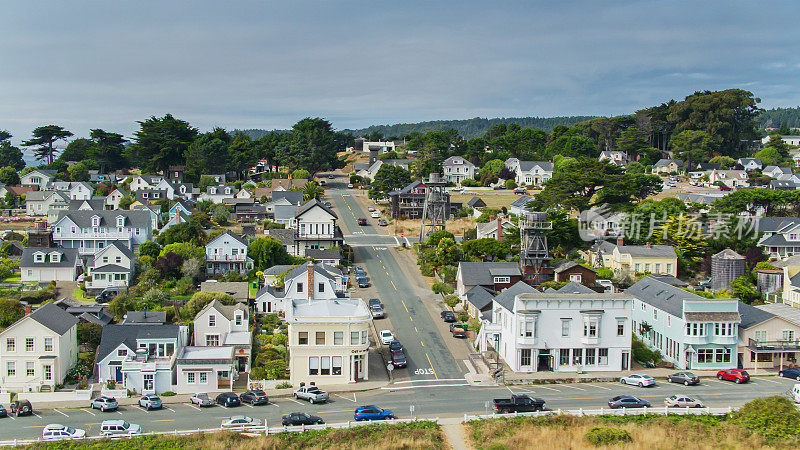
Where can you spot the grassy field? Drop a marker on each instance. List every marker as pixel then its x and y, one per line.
pixel 647 432
pixel 493 199
pixel 426 435
pixel 410 227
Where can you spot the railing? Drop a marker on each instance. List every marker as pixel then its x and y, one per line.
pixel 258 429
pixel 663 410
pixel 213 258
pixel 777 345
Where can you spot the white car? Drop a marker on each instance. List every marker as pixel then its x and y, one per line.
pixel 375 215
pixel 201 399
pixel 241 422
pixel 349 185
pixel 682 401
pixel 58 432
pixel 371 208
pixel 386 337
pixel 638 379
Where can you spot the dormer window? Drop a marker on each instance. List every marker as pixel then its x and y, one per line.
pixel 95 221
pixel 38 257
pixel 212 191
pixel 238 319
pixel 120 221
pixel 55 257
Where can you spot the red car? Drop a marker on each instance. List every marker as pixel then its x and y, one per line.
pixel 362 221
pixel 735 375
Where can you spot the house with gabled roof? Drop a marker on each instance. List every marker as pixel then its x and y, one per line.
pixel 218 325
pixel 307 281
pixel 408 202
pixel 494 276
pixel 781 236
pixel 111 267
pixel 667 166
pixel 90 231
pixel 139 182
pixel 531 173
pixel 38 350
pixel 49 264
pixel 457 169
pixel 313 227
pixel 38 177
pixel 38 203
pixel 227 253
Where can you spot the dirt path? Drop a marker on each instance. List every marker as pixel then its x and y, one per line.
pixel 454 432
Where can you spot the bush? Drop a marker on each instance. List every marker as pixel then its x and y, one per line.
pixel 469 182
pixel 168 394
pixel 449 273
pixel 452 300
pixel 774 418
pixel 442 288
pixel 463 317
pixel 426 270
pixel 200 299
pixel 283 385
pixel 598 436
pixel 642 354
pixel 511 184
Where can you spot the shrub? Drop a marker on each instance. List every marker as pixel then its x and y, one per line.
pixel 442 288
pixel 775 418
pixel 469 182
pixel 201 299
pixel 449 273
pixel 511 184
pixel 168 394
pixel 283 385
pixel 426 270
pixel 642 354
pixel 452 300
pixel 463 317
pixel 598 436
pixel 111 384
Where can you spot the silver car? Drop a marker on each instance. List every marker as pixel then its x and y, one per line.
pixel 682 401
pixel 201 399
pixel 241 422
pixel 104 403
pixel 377 312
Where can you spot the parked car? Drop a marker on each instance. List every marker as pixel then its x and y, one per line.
pixel 372 412
pixel 386 337
pixel 370 208
pixel 686 378
pixel 240 422
pixel 104 403
pixel 349 185
pixel 58 432
pixel 520 190
pixel 311 393
pixel 682 401
pixel 638 379
pixel 448 316
pixel 201 399
pixel 395 345
pixel 255 397
pixel 377 312
pixel 3 412
pixel 297 418
pixel 107 295
pixel 375 215
pixel 362 221
pixel 228 399
pixel 736 375
pixel 794 372
pixel 119 428
pixel 149 402
pixel 326 203
pixel 375 302
pixel 322 183
pixel 458 330
pixel 382 222
pixel 362 282
pixel 518 403
pixel 398 359
pixel 627 401
pixel 330 177
pixel 21 408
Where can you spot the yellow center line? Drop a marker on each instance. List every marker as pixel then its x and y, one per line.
pixel 415 329
pixel 429 362
pixel 395 288
pixel 404 305
pixel 163 420
pixel 410 318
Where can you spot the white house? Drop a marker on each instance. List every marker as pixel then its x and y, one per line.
pixel 113 199
pixel 49 264
pixel 139 182
pixel 457 169
pixel 75 190
pixel 38 203
pixel 781 238
pixel 111 267
pixel 790 140
pixel 90 231
pixel 532 173
pixel 309 281
pixel 37 350
pixel 205 369
pixel 381 147
pixel 314 227
pixel 536 332
pixel 615 157
pixel 750 163
pixel 217 194
pixel 494 229
pixel 175 190
pixel 227 253
pixel 228 326
pixel 38 177
pixel 730 178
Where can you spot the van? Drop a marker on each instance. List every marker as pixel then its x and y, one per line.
pixel 794 394
pixel 119 428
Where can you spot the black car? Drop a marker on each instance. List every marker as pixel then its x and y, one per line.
pixel 300 419
pixel 794 372
pixel 256 397
pixel 21 408
pixel 363 282
pixel 627 401
pixel 3 412
pixel 228 399
pixel 448 316
pixel 374 302
pixel 395 346
pixel 686 378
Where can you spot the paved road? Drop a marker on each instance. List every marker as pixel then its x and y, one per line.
pixel 427 353
pixel 447 401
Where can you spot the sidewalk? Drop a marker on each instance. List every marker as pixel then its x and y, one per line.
pixel 590 377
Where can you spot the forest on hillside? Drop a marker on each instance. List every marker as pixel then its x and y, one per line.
pixel 773 118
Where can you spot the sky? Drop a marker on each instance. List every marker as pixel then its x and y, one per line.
pixel 262 64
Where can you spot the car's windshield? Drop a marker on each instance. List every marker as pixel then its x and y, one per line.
pixel 125 425
pixel 70 430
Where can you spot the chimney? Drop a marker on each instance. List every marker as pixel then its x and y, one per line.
pixel 620 242
pixel 499 229
pixel 310 267
pixel 649 245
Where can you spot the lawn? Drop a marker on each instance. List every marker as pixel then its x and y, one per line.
pixel 493 199
pixel 16 278
pixel 426 435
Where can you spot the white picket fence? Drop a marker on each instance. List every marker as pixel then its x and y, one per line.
pixel 266 429
pixel 662 410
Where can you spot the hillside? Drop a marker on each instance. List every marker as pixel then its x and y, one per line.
pixel 772 118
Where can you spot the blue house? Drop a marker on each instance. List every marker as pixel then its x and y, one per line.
pixel 182 206
pixel 690 331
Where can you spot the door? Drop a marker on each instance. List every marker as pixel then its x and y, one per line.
pixel 118 374
pixel 242 364
pixel 544 361
pixel 625 360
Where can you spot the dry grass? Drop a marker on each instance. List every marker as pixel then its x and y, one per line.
pixel 410 227
pixel 564 432
pixel 493 199
pixel 351 158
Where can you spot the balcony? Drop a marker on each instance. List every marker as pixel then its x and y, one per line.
pixel 774 346
pixel 93 235
pixel 223 257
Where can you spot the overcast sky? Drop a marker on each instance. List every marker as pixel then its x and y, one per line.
pixel 258 64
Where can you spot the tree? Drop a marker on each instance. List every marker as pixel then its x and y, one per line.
pixel 635 167
pixel 9 176
pixel 267 252
pixel 89 334
pixel 300 174
pixel 574 146
pixel 193 268
pixel 120 305
pixel 725 162
pixel 311 145
pixel 10 155
pixel 186 250
pixel 488 249
pixel 769 156
pixel 108 150
pixel 312 190
pixel 206 181
pixel 685 234
pixel 160 143
pixel 169 265
pixel 388 179
pixel 633 140
pixel 207 153
pixel 437 236
pixel 241 154
pixel 44 139
pixel 78 172
pixel 776 142
pixel 447 253
pixel 200 299
pixel 220 215
pixel 694 146
pixel 125 202
pixel 149 248
pixel 11 310
pixel 189 231
pixel 745 291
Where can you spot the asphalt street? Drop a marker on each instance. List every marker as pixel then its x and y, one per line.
pixel 444 401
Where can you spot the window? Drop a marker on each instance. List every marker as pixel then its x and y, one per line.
pixel 602 356
pixel 238 319
pixel 190 377
pixel 527 329
pixel 788 335
pixel 499 280
pixel 29 344
pixel 695 329
pixel 338 338
pixel 723 329
pixel 705 355
pixel 576 277
pixel 321 287
pixel 148 382
pixel 525 357
pixel 11 346
pixel 313 365
pixel 29 369
pixel 325 365
pixel 212 320
pixel 577 356
pixel 212 340
pixel 364 337
pixel 320 338
pixel 655 314
pixel 563 357
pixel 48 372
pixel 299 287
pixel 590 329
pixel 669 268
pixel 658 268
pixel 590 356
pixel 48 344
pixel 204 377
pixel 11 369
pixel 636 268
pixel 354 338
pixel 39 257
pixel 302 338
pixel 565 323
pixel 122 352
pixel 620 327
pixel 723 355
